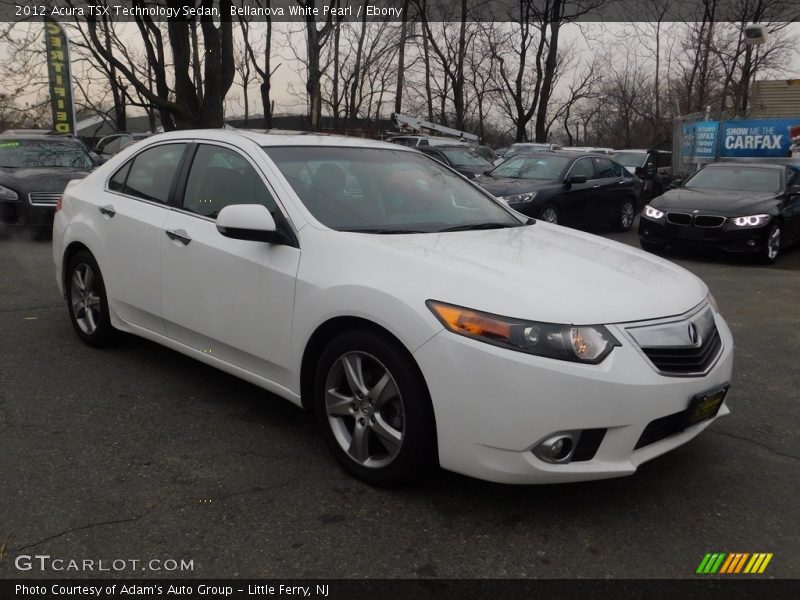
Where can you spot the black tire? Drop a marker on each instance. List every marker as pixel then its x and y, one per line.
pixel 770 252
pixel 626 215
pixel 103 333
pixel 550 213
pixel 414 420
pixel 652 247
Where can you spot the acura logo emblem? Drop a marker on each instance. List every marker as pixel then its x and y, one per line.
pixel 694 336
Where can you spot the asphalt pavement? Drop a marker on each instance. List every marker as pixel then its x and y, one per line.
pixel 139 453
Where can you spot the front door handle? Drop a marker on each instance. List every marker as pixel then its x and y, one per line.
pixel 594 187
pixel 107 210
pixel 178 235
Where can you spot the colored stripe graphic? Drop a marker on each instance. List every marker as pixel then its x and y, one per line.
pixel 734 563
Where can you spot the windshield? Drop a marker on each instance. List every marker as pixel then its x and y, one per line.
pixel 385 191
pixel 630 159
pixel 746 179
pixel 462 157
pixel 534 166
pixel 31 154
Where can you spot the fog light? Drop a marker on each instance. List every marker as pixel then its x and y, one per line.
pixel 557 448
pixel 751 242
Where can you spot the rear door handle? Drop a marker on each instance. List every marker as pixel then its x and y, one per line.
pixel 107 210
pixel 179 235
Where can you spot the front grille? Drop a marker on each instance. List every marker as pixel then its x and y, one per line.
pixel 587 445
pixel 708 221
pixel 686 360
pixel 661 429
pixel 679 218
pixel 43 198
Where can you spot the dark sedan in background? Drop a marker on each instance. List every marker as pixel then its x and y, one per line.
pixel 461 158
pixel 566 188
pixel 745 208
pixel 34 170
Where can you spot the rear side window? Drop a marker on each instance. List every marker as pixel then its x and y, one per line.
pixel 220 177
pixel 117 182
pixel 152 172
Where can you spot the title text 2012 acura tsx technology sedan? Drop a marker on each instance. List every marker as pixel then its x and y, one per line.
pixel 421 319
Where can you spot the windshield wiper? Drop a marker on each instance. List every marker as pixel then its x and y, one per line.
pixel 477 226
pixel 383 231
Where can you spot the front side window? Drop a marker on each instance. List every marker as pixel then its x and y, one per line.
pixel 605 169
pixel 220 177
pixel 384 191
pixel 153 171
pixel 582 168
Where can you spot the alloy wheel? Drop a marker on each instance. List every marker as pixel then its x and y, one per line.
pixel 626 219
pixel 550 215
pixel 365 409
pixel 85 298
pixel 774 243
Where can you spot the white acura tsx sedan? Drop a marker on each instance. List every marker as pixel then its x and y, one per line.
pixel 419 318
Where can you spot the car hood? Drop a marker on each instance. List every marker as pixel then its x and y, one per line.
pixel 39 180
pixel 722 202
pixel 541 272
pixel 507 186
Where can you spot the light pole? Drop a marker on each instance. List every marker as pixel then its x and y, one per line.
pixel 755 34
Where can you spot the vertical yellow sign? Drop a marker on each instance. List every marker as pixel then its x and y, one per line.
pixel 58 67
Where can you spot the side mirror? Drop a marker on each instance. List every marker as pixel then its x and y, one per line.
pixel 676 183
pixel 793 191
pixel 251 222
pixel 575 179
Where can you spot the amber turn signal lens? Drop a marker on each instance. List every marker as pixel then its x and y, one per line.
pixel 464 321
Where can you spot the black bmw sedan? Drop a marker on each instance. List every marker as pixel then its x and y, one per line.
pixel 744 208
pixel 566 188
pixel 34 170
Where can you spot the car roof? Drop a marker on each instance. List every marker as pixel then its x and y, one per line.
pixel 264 138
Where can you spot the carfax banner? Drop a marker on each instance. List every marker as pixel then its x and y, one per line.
pixel 769 138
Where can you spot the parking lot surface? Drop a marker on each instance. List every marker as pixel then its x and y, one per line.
pixel 137 452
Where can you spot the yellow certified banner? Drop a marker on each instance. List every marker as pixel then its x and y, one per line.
pixel 60 78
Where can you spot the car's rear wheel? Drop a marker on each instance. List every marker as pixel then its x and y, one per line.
pixel 549 213
pixel 772 249
pixel 625 215
pixel 87 300
pixel 374 409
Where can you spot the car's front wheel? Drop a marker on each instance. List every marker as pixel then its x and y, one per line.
pixel 374 409
pixel 87 300
pixel 625 215
pixel 549 213
pixel 772 248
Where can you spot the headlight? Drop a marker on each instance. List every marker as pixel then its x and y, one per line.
pixel 520 198
pixel 586 344
pixel 750 221
pixel 8 195
pixel 713 302
pixel 653 213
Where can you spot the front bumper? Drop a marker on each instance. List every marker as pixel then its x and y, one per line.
pixel 493 405
pixel 729 237
pixel 25 213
